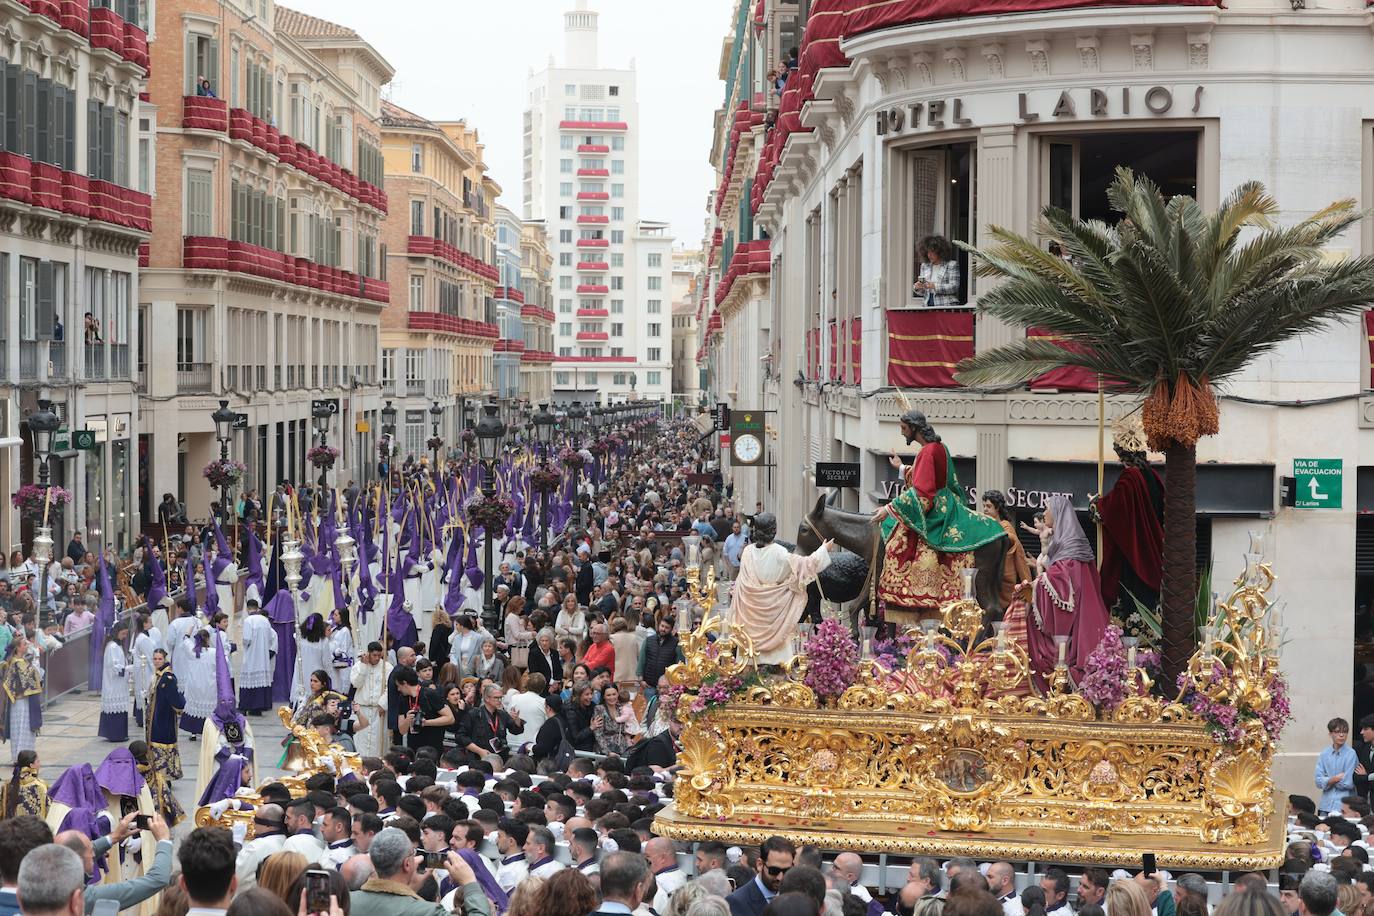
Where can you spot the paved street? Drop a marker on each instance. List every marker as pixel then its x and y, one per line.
pixel 69 737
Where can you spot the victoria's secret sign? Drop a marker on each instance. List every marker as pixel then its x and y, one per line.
pixel 1071 103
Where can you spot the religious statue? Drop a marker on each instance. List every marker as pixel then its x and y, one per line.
pixel 929 532
pixel 1066 599
pixel 769 594
pixel 1132 518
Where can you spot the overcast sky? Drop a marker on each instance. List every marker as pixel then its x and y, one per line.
pixel 469 59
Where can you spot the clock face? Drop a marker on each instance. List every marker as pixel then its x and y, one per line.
pixel 748 448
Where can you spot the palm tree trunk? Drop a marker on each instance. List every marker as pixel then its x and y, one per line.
pixel 1178 592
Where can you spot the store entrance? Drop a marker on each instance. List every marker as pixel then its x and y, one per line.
pixel 1077 170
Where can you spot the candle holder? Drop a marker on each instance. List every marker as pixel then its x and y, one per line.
pixel 348 554
pixel 42 545
pixel 291 560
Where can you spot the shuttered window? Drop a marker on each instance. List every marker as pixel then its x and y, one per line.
pixel 199 202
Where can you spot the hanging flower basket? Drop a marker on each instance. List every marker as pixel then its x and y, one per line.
pixel 28 499
pixel 490 513
pixel 322 456
pixel 545 480
pixel 384 448
pixel 469 437
pixel 224 472
pixel 599 447
pixel 434 443
pixel 571 459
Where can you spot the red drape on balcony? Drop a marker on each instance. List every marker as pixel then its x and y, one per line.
pixel 868 15
pixel 855 351
pixel 924 345
pixel 835 373
pixel 1369 333
pixel 813 353
pixel 1072 379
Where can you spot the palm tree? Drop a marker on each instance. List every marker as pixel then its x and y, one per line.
pixel 1169 303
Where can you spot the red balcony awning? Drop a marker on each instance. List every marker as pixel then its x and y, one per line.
pixel 593 313
pixel 593 148
pixel 594 173
pixel 601 220
pixel 593 243
pixel 593 195
pixel 924 345
pixel 593 288
pixel 593 265
pixel 593 335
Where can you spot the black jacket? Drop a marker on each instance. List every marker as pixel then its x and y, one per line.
pixel 537 665
pixel 578 722
pixel 475 728
pixel 747 901
pixel 658 751
pixel 548 739
pixel 583 585
pixel 1364 753
pixel 659 655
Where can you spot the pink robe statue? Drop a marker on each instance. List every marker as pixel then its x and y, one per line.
pixel 1066 597
pixel 769 596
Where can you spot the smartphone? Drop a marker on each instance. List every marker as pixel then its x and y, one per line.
pixel 317 891
pixel 434 860
pixel 143 821
pixel 1147 863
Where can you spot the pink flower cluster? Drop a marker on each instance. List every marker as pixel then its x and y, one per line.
pixel 715 692
pixel 832 659
pixel 1227 721
pixel 892 653
pixel 1104 673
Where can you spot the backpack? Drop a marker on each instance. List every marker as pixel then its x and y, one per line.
pixel 566 752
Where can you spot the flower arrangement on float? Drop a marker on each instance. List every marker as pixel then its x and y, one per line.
pixel 322 456
pixel 1108 674
pixel 29 499
pixel 832 661
pixel 224 472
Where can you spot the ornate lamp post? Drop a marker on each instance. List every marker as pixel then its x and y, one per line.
pixel 490 431
pixel 543 423
pixel 436 413
pixel 321 415
pixel 43 424
pixel 224 430
pixel 388 438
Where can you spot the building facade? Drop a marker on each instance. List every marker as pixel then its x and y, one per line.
pixel 897 125
pixel 440 328
pixel 265 276
pixel 612 270
pixel 74 212
pixel 509 297
pixel 536 313
pixel 687 286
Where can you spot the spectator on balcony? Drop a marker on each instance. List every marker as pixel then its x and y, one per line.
pixel 938 281
pixel 59 330
pixel 92 329
pixel 203 88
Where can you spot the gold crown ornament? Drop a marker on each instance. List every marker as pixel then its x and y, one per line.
pixel 1128 433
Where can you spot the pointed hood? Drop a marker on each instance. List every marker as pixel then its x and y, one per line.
pixel 226 707
pixel 211 592
pixel 157 576
pixel 252 549
pixel 104 619
pixel 118 773
pixel 227 781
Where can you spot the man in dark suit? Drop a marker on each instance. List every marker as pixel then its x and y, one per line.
pixel 1364 753
pixel 624 876
pixel 776 856
pixel 585 579
pixel 659 752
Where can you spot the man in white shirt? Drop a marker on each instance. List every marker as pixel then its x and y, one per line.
pixel 1002 882
pixel 539 847
pixel 529 704
pixel 300 827
pixel 510 841
pixel 268 837
pixel 668 877
pixel 369 677
pixel 337 831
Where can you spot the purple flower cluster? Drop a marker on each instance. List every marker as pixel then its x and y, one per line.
pixel 1226 721
pixel 715 692
pixel 29 499
pixel 1104 673
pixel 1280 711
pixel 892 653
pixel 832 659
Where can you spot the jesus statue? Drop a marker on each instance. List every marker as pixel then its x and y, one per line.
pixel 769 594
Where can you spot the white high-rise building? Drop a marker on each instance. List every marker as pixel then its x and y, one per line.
pixel 612 271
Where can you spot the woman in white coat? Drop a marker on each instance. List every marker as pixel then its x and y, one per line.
pixel 341 646
pixel 313 653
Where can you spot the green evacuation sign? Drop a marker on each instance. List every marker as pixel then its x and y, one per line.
pixel 1317 483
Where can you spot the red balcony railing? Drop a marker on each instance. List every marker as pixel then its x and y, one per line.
pixel 212 253
pixel 593 335
pixel 593 265
pixel 593 148
pixel 749 258
pixel 593 243
pixel 593 313
pixel 451 324
pixel 538 313
pixel 923 346
pixel 509 293
pixel 200 113
pixel 426 245
pixel 594 173
pixel 537 356
pixel 509 346
pixel 593 288
pixel 593 195
pixel 593 125
pixel 602 220
pixel 41 184
pixel 75 16
pixel 594 359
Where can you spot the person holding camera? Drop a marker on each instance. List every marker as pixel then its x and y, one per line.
pixel 134 891
pixel 426 716
pixel 486 729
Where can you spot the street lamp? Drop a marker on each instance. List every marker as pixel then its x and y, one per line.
pixel 43 424
pixel 388 437
pixel 321 414
pixel 577 416
pixel 436 413
pixel 490 431
pixel 223 418
pixel 543 423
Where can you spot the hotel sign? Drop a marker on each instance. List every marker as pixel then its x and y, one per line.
pixel 1068 104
